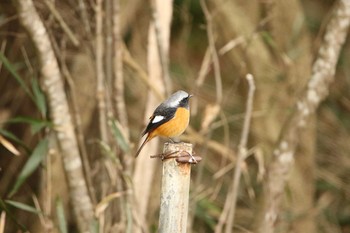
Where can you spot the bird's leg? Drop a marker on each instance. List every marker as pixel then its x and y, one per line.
pixel 174 140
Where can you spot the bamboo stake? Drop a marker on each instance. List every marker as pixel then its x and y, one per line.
pixel 175 190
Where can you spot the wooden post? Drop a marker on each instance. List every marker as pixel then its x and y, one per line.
pixel 175 190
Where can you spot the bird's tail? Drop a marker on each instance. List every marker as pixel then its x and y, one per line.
pixel 142 145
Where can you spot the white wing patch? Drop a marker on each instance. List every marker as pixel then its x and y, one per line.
pixel 157 119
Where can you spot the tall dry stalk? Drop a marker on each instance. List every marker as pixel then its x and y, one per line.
pixel 53 86
pixel 162 36
pixel 145 167
pixel 228 214
pixel 288 16
pixel 118 70
pixel 323 71
pixel 100 74
pixel 213 52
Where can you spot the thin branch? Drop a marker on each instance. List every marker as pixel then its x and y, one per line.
pixel 61 55
pixel 204 70
pixel 45 221
pixel 121 111
pixel 195 137
pixel 323 71
pixel 63 24
pixel 118 71
pixel 84 16
pixel 109 41
pixel 202 74
pixel 227 215
pixel 242 40
pixel 242 153
pixel 142 74
pixel 214 54
pixel 101 92
pixel 79 131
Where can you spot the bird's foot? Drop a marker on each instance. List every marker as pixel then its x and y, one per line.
pixel 174 140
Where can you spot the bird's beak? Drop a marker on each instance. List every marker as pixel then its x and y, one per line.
pixel 190 95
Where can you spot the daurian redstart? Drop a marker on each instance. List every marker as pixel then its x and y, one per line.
pixel 170 119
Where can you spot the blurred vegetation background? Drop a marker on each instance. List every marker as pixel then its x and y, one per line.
pixel 276 41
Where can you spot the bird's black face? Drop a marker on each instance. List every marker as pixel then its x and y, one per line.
pixel 185 102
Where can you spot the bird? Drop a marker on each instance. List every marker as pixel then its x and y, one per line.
pixel 170 119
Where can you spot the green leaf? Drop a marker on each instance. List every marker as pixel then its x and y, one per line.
pixel 3 207
pixel 22 206
pixel 268 39
pixel 14 73
pixel 207 211
pixel 62 223
pixel 117 132
pixel 31 165
pixel 106 150
pixel 39 97
pixel 14 138
pixel 35 124
pixel 94 226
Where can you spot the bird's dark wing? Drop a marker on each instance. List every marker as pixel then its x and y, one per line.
pixel 159 117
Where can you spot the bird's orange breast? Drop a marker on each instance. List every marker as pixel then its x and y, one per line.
pixel 174 127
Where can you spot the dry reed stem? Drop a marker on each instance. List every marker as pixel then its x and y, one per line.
pixel 213 52
pixel 44 218
pixel 121 110
pixel 323 71
pixel 129 61
pixel 57 100
pixel 145 167
pixel 211 112
pixel 103 98
pixel 109 42
pixel 79 130
pixel 62 23
pixel 202 74
pixel 130 14
pixel 118 70
pixel 105 202
pixel 27 61
pixel 101 91
pixel 242 153
pixel 84 16
pixel 204 70
pixel 2 221
pixel 242 40
pixel 227 215
pixel 162 37
pixel 195 137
